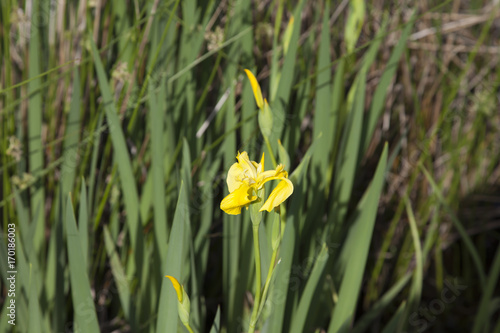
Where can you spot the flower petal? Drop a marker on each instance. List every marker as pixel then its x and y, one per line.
pixel 261 165
pixel 256 89
pixel 246 164
pixel 237 199
pixel 235 176
pixel 266 176
pixel 278 195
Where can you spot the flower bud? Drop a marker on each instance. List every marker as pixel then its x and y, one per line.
pixel 184 305
pixel 266 120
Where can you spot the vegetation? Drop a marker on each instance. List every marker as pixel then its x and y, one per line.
pixel 119 121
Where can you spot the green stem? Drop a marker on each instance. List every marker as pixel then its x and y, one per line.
pixel 268 282
pixel 268 144
pixel 189 328
pixel 253 319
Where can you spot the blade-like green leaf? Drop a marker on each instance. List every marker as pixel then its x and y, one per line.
pixel 484 313
pixel 280 102
pixel 71 138
pixel 35 320
pixel 126 174
pixel 392 326
pixel 35 103
pixel 121 280
pixel 83 305
pixel 458 225
pixel 418 276
pixel 358 242
pixel 323 117
pixel 83 223
pixel 347 159
pixel 216 328
pixel 364 322
pixel 160 210
pixel 167 309
pixel 311 289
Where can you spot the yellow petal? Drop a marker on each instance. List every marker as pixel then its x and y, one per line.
pixel 278 195
pixel 177 286
pixel 234 177
pixel 256 89
pixel 266 176
pixel 246 164
pixel 262 163
pixel 237 199
pixel 269 175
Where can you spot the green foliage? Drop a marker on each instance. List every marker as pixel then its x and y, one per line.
pixel 119 121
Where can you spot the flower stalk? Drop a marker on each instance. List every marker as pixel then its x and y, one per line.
pixel 258 280
pixel 276 239
pixel 245 182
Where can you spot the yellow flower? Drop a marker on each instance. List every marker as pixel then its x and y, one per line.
pixel 246 177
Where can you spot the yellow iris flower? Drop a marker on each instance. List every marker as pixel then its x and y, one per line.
pixel 246 177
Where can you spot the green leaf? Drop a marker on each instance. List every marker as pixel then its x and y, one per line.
pixel 71 138
pixel 392 326
pixel 83 223
pixel 458 225
pixel 167 311
pixel 122 159
pixel 358 243
pixel 347 159
pixel 311 290
pixel 35 102
pixel 364 322
pixel 323 116
pixel 34 322
pixel 216 328
pixel 354 23
pixel 279 103
pixel 157 169
pixel 418 276
pixel 484 314
pixel 83 305
pixel 119 275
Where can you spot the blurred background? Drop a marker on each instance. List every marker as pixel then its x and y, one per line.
pixel 120 119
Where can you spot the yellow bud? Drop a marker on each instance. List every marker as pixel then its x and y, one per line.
pixel 177 286
pixel 256 89
pixel 184 305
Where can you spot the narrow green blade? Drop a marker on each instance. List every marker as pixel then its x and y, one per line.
pixel 358 242
pixel 216 328
pixel 83 305
pixel 312 287
pixel 167 311
pixel 121 280
pixel 157 150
